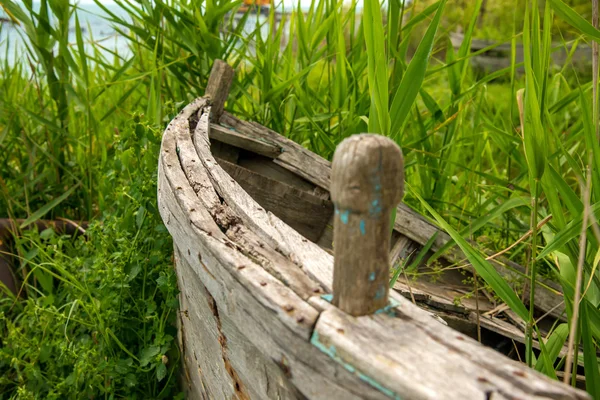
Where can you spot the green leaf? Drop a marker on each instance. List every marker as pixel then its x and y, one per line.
pixel 161 372
pixel 570 232
pixel 574 19
pixel 45 209
pixel 379 119
pixel 590 361
pixel 553 346
pixel 413 77
pixel 148 354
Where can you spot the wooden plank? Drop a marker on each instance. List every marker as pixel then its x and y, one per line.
pixel 225 151
pixel 267 167
pixel 241 370
pixel 302 211
pixel 203 352
pixel 296 158
pixel 231 137
pixel 427 362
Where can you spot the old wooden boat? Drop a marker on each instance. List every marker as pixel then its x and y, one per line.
pixel 250 213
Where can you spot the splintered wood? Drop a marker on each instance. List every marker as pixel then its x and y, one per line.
pixel 256 318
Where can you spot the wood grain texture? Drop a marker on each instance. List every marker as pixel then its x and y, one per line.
pixel 217 88
pixel 410 361
pixel 227 362
pixel 306 213
pixel 367 182
pixel 231 137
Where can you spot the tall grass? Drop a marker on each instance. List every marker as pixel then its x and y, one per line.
pixel 79 127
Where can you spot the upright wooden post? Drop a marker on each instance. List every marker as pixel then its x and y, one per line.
pixel 218 86
pixel 367 182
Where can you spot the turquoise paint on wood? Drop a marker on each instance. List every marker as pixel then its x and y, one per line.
pixel 363 228
pixel 331 351
pixel 380 293
pixel 372 276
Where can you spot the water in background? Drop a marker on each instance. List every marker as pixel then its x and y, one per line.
pixel 100 31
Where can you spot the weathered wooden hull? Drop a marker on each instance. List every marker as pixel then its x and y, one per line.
pixel 255 321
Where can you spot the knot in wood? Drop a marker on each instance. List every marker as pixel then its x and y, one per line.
pixel 367 174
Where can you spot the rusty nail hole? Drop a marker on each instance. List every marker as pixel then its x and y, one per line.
pixel 192 210
pixel 520 373
pixel 189 252
pixel 263 283
pixel 340 330
pixel 460 338
pixel 482 379
pixel 288 308
pixel 304 240
pixel 199 257
pixel 317 290
pixel 241 267
pixel 300 319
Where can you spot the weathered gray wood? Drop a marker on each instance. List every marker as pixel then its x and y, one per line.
pixel 302 211
pixel 224 151
pixel 367 182
pixel 231 137
pixel 271 229
pixel 245 240
pixel 270 169
pixel 217 88
pixel 425 363
pixel 227 363
pixel 204 350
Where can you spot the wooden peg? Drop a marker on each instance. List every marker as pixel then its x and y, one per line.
pixel 367 182
pixel 218 86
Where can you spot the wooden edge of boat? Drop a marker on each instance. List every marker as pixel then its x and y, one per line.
pixel 255 321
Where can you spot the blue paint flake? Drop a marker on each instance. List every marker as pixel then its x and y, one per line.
pixel 327 297
pixel 389 309
pixel 375 208
pixel 344 216
pixel 380 293
pixel 372 276
pixel 363 228
pixel 332 352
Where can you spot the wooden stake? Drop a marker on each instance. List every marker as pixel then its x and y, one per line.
pixel 218 86
pixel 367 182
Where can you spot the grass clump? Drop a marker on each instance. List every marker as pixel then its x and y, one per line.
pixel 99 312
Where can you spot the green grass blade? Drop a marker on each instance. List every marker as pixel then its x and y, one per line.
pixel 483 268
pixel 412 80
pixel 45 209
pixel 574 19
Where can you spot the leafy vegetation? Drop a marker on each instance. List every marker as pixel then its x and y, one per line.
pixel 80 128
